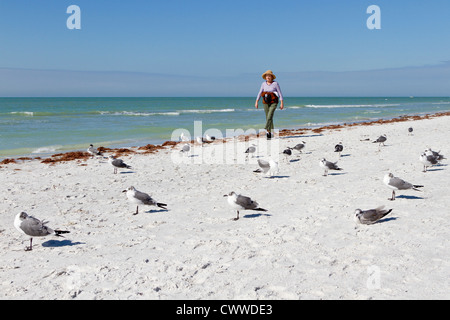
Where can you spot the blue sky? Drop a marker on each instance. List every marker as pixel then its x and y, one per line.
pixel 220 48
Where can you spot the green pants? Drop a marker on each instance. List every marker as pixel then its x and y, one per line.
pixel 269 109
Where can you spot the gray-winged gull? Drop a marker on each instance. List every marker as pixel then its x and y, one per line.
pixel 338 148
pixel 396 183
pixel 269 168
pixel 139 197
pixel 299 147
pixel 93 152
pixel 370 216
pixel 240 202
pixel 117 163
pixel 428 160
pixel 327 165
pixel 33 227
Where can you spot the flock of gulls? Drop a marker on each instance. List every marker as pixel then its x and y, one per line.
pixel 34 227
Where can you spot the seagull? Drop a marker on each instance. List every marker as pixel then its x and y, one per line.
pixel 186 148
pixel 34 228
pixel 299 146
pixel 370 216
pixel 287 153
pixel 327 165
pixel 437 154
pixel 381 139
pixel 93 152
pixel 139 197
pixel 410 130
pixel 183 137
pixel 267 167
pixel 338 148
pixel 208 138
pixel 398 184
pixel 428 160
pixel 200 141
pixel 251 149
pixel 117 163
pixel 240 202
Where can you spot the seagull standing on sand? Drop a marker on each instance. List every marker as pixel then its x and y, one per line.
pixel 200 141
pixel 370 216
pixel 117 163
pixel 250 150
pixel 209 138
pixel 269 168
pixel 398 184
pixel 380 140
pixel 327 165
pixel 139 197
pixel 186 148
pixel 299 147
pixel 338 148
pixel 240 202
pixel 93 152
pixel 33 227
pixel 287 153
pixel 183 137
pixel 428 161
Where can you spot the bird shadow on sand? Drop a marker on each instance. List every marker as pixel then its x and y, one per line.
pixel 277 177
pixel 60 243
pixel 386 220
pixel 336 173
pixel 157 210
pixel 256 215
pixel 409 197
pixel 435 169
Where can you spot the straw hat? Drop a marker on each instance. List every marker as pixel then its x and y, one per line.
pixel 268 72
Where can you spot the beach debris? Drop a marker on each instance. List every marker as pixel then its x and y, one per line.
pixel 141 198
pixel 34 227
pixel 328 165
pixel 370 216
pixel 396 183
pixel 410 131
pixel 117 163
pixel 269 168
pixel 240 202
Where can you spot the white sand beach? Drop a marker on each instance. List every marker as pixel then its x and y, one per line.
pixel 306 246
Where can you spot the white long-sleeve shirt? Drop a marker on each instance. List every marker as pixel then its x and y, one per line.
pixel 273 87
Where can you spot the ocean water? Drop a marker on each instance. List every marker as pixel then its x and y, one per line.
pixel 43 126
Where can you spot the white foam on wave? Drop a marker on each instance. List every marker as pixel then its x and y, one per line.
pixel 331 106
pixel 47 149
pixel 168 113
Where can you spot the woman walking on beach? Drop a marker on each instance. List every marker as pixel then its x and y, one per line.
pixel 270 92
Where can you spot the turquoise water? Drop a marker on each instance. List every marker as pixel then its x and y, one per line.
pixel 41 126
